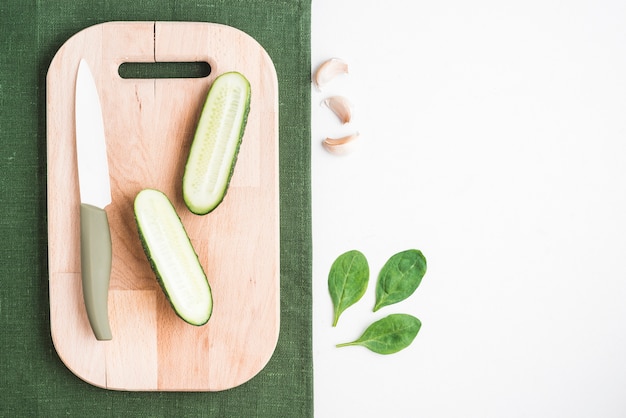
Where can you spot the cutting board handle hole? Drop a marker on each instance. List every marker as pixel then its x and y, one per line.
pixel 152 70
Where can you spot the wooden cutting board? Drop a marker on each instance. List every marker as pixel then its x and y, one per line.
pixel 149 125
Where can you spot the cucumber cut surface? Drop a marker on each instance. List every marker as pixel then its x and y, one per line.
pixel 216 143
pixel 172 257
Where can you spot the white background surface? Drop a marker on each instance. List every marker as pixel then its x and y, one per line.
pixel 493 138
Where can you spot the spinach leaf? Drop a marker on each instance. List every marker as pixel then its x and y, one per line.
pixel 399 277
pixel 389 335
pixel 347 281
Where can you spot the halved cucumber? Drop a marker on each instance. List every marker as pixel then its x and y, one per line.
pixel 216 143
pixel 172 257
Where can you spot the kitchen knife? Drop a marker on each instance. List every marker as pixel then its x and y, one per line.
pixel 95 195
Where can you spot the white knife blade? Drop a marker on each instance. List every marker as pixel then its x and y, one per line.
pixel 93 166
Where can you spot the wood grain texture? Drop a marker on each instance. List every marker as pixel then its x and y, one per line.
pixel 149 125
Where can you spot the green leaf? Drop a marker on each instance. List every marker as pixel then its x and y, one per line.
pixel 389 335
pixel 399 277
pixel 347 281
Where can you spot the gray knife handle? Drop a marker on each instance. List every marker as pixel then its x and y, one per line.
pixel 95 260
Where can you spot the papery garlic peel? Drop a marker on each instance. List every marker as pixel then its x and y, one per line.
pixel 328 71
pixel 340 145
pixel 340 107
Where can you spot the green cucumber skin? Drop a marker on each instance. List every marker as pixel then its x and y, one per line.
pixel 205 210
pixel 146 248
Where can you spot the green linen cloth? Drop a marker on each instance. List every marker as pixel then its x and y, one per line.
pixel 33 380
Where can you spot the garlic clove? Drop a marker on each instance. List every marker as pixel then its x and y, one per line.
pixel 328 71
pixel 340 146
pixel 341 107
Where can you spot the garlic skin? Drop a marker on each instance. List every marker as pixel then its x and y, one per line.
pixel 340 107
pixel 340 146
pixel 328 71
